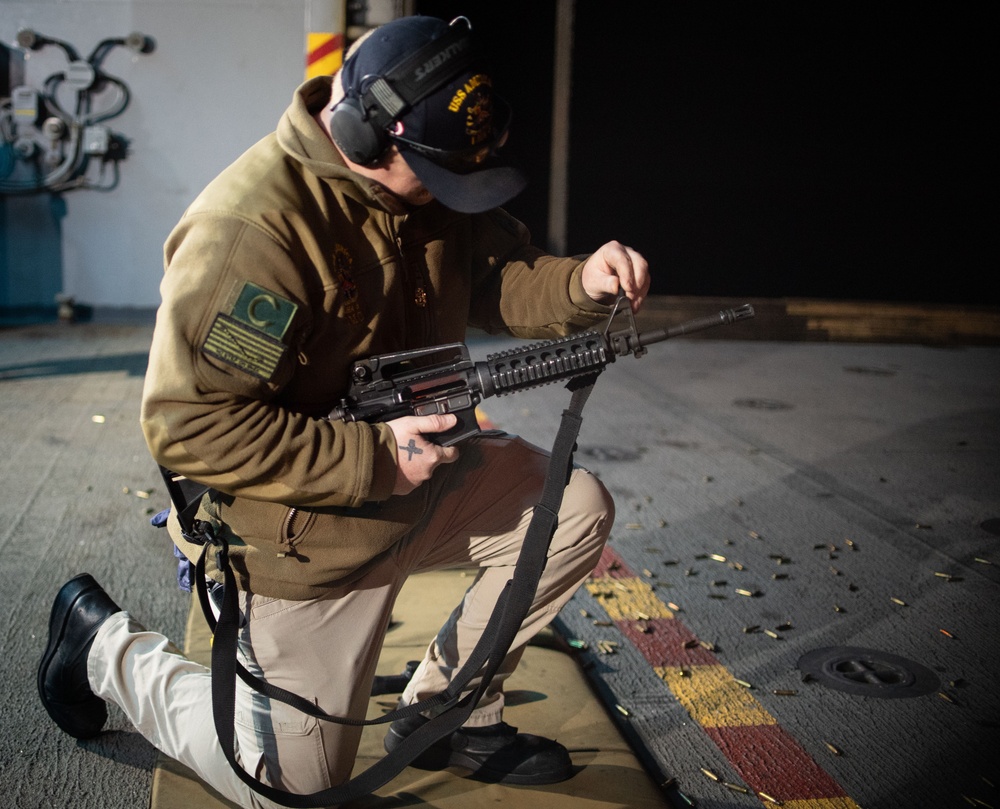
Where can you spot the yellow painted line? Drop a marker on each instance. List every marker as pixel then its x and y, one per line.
pixel 627 599
pixel 713 697
pixel 721 706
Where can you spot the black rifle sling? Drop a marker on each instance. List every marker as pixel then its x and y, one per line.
pixel 506 619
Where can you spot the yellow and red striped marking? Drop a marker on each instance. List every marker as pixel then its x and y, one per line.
pixel 324 54
pixel 762 753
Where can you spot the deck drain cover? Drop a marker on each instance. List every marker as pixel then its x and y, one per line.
pixel 868 672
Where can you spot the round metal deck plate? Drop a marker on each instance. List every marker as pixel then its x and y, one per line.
pixel 868 672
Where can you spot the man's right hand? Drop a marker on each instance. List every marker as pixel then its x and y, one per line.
pixel 416 456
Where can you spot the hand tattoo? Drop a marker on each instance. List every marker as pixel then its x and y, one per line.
pixel 411 449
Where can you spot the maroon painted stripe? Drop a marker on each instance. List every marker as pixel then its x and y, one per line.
pixel 769 760
pixel 766 757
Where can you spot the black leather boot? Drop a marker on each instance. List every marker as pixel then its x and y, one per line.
pixel 81 606
pixel 496 753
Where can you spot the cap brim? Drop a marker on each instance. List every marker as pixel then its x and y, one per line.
pixel 475 192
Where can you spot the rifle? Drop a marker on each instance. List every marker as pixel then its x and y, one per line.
pixel 445 379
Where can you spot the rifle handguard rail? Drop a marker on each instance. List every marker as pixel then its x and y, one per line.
pixel 546 362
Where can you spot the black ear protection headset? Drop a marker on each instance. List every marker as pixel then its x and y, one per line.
pixel 359 122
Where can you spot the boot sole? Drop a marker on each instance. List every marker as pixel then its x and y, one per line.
pixel 439 757
pixel 482 772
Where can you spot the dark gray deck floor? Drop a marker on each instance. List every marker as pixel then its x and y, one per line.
pixel 865 475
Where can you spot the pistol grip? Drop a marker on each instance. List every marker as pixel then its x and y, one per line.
pixel 466 426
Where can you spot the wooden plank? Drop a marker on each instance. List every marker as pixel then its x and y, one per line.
pixel 812 320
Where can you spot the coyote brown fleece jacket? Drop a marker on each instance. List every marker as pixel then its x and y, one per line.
pixel 286 270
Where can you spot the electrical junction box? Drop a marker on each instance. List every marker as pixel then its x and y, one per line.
pixel 96 140
pixel 25 101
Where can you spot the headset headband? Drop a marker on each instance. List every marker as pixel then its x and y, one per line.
pixel 419 75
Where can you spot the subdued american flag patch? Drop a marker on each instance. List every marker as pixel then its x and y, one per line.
pixel 245 348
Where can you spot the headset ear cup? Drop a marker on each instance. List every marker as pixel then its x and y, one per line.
pixel 356 137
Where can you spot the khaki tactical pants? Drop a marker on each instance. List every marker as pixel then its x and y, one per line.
pixel 327 649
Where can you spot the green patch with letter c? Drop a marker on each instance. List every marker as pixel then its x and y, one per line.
pixel 263 310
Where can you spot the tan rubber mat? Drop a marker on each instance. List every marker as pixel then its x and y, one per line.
pixel 547 695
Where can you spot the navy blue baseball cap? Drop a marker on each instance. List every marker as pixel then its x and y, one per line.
pixel 452 136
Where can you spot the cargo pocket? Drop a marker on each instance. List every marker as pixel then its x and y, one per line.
pixel 281 746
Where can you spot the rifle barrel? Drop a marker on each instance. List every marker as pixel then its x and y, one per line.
pixel 723 317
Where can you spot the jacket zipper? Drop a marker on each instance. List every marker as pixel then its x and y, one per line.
pixel 288 529
pixel 412 274
pixel 416 282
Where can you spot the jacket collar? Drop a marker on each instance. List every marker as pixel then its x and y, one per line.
pixel 308 143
